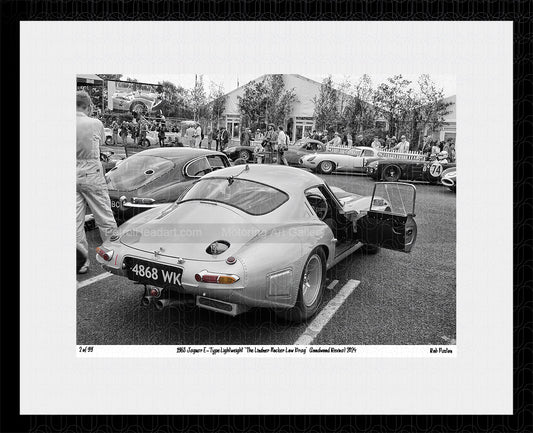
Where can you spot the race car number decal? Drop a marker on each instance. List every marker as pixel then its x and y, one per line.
pixel 435 170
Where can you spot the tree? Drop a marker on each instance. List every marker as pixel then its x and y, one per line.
pixel 326 106
pixel 279 101
pixel 431 108
pixel 359 113
pixel 266 100
pixel 198 98
pixel 218 102
pixel 175 100
pixel 395 101
pixel 253 102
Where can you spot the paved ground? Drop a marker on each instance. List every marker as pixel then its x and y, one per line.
pixel 402 298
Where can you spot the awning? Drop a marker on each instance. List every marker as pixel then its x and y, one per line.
pixel 88 79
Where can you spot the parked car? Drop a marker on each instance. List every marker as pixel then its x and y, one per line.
pixel 351 160
pixel 157 176
pixel 392 170
pixel 449 178
pixel 303 147
pixel 244 153
pixel 256 236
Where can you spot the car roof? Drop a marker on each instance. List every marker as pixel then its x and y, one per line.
pixel 178 153
pixel 288 179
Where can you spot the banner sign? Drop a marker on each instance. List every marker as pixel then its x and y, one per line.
pixel 132 96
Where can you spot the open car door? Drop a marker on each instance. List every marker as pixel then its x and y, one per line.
pixel 389 223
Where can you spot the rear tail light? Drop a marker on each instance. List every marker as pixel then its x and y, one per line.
pixel 206 277
pixel 107 255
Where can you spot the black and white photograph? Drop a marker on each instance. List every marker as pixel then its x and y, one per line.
pixel 283 209
pixel 266 217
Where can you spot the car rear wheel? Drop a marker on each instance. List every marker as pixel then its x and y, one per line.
pixel 245 155
pixel 391 173
pixel 310 290
pixel 326 167
pixel 108 140
pixel 145 143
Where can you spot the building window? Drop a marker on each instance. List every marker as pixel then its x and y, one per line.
pixel 232 125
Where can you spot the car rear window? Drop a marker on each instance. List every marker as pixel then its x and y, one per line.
pixel 251 197
pixel 136 171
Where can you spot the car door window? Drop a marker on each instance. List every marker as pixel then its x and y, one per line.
pixel 368 152
pixel 216 162
pixel 198 168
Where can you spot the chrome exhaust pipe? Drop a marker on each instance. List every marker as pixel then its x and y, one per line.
pixel 160 304
pixel 146 300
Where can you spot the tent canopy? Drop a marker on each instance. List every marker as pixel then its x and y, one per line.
pixel 88 79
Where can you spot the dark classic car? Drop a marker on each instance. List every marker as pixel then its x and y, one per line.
pixel 392 170
pixel 157 176
pixel 245 153
pixel 303 147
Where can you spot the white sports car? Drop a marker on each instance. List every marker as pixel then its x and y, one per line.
pixel 256 236
pixel 352 160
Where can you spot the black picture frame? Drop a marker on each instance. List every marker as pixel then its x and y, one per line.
pixel 13 12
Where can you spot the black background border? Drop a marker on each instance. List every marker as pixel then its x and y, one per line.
pixel 520 12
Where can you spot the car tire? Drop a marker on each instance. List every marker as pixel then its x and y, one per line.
pixel 145 143
pixel 391 173
pixel 326 167
pixel 139 107
pixel 245 155
pixel 108 140
pixel 310 289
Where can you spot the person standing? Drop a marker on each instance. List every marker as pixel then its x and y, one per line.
pixel 134 132
pixel 216 137
pixel 270 140
pixel 246 137
pixel 189 132
pixel 91 186
pixel 143 131
pixel 124 133
pixel 224 138
pixel 209 137
pixel 114 127
pixel 403 145
pixel 161 134
pixel 282 144
pixel 335 141
pixel 376 144
pixel 198 136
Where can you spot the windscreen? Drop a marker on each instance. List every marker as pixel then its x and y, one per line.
pixel 251 197
pixel 136 171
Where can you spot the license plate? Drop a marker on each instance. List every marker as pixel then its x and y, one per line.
pixel 152 273
pixel 115 204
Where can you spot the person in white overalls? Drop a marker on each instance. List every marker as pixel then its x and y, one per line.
pixel 91 186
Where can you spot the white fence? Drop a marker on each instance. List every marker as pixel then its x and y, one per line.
pixel 412 155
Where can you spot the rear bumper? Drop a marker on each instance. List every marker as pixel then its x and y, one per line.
pixel 249 291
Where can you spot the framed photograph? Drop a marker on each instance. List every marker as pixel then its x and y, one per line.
pixel 266 228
